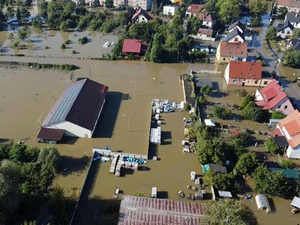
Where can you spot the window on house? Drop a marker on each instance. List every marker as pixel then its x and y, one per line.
pixel 285 107
pixel 224 59
pixel 288 32
pixel 279 106
pixel 256 81
pixel 266 82
pixel 234 81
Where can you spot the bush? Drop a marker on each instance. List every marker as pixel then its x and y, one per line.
pixel 63 46
pixel 277 115
pixel 206 89
pixel 83 40
pixel 287 164
pixel 221 111
pixel 220 181
pixel 248 98
pixel 186 107
pixel 240 92
pixel 272 147
pixel 74 52
pixel 247 163
pixel 271 33
pixel 252 112
pixel 67 42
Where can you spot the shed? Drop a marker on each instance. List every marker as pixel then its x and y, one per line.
pixel 225 194
pixel 201 82
pixel 289 173
pixel 209 123
pixel 48 135
pixel 262 202
pixel 296 202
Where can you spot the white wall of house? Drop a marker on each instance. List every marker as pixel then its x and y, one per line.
pixel 226 74
pixel 71 129
pixel 208 24
pixel 237 27
pixel 236 39
pixel 295 24
pixel 241 59
pixel 287 32
pixel 293 153
pixel 141 19
pixel 258 96
pixel 169 10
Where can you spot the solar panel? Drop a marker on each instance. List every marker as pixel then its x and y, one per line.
pixel 66 104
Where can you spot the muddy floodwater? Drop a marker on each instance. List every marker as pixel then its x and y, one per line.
pixel 27 95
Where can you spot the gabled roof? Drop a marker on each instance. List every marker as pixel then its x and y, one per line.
pixel 293 17
pixel 80 103
pixel 133 46
pixel 237 24
pixel 291 124
pixel 245 70
pixel 196 8
pixel 234 33
pixel 285 3
pixel 205 17
pixel 204 31
pixel 285 25
pixel 294 4
pixel 296 43
pixel 233 49
pixel 142 12
pixel 51 134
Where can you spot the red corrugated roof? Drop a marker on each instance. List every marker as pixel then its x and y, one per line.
pixel 141 211
pixel 283 2
pixel 233 49
pixel 132 46
pixel 196 8
pixel 245 70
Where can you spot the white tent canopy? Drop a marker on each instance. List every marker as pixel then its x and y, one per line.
pixel 296 202
pixel 262 202
pixel 209 123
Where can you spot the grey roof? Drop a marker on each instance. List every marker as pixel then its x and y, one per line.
pixel 282 26
pixel 225 194
pixel 293 17
pixel 296 202
pixel 296 44
pixel 80 103
pixel 281 141
pixel 218 168
pixel 237 23
pixel 234 33
pixel 201 82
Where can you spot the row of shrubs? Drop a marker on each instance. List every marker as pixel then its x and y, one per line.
pixel 66 67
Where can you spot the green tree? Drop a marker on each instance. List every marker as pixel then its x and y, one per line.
pixel 221 111
pixel 291 58
pixel 24 13
pixel 49 159
pixel 248 98
pixel 18 14
pixel 283 11
pixel 271 183
pixel 24 33
pixel 10 13
pixel 258 8
pixel 247 163
pixel 4 151
pixel 157 49
pixel 229 10
pixel 287 164
pixel 18 153
pixel 187 107
pixel 277 115
pixel 206 89
pixel 220 181
pixel 109 4
pixel 296 33
pixel 64 26
pixel 272 147
pixel 210 6
pixel 43 9
pixel 37 23
pixel 228 211
pixel 57 200
pixel 32 177
pixel 271 33
pixel 161 7
pixel 32 154
pixel 28 3
pixel 252 112
pixel 193 25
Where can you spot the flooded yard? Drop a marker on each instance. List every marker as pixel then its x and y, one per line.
pixel 27 95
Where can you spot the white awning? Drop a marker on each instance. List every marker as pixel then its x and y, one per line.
pixel 262 202
pixel 209 123
pixel 296 202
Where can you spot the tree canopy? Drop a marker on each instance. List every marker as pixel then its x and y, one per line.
pixel 229 10
pixel 228 211
pixel 258 8
pixel 247 163
pixel 271 33
pixel 206 89
pixel 272 147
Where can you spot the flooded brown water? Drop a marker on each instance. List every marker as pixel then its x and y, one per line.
pixel 26 96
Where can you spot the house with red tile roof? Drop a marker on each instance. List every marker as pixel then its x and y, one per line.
pixel 245 74
pixel 291 5
pixel 273 98
pixel 289 127
pixel 134 46
pixel 141 16
pixel 207 20
pixel 227 52
pixel 194 9
pixel 199 10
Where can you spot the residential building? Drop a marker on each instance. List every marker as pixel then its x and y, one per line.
pixel 207 20
pixel 204 34
pixel 141 16
pixel 245 74
pixel 144 4
pixel 194 9
pixel 284 30
pixel 295 44
pixel 134 46
pixel 227 52
pixel 142 210
pixel 289 127
pixel 291 5
pixel 273 98
pixel 235 36
pixel 169 10
pixel 76 112
pixel 293 18
pixel 237 25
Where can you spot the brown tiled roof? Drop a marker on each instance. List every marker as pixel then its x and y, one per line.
pixel 245 70
pixel 142 211
pixel 133 46
pixel 51 134
pixel 196 8
pixel 294 4
pixel 283 2
pixel 233 49
pixel 204 31
pixel 205 17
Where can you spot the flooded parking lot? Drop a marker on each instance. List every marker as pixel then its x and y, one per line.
pixel 26 96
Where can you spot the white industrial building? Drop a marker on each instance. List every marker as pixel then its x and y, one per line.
pixel 76 112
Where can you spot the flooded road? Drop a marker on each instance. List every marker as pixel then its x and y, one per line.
pixel 27 95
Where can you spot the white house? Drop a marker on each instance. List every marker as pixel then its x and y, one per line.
pixel 285 30
pixel 169 10
pixel 293 18
pixel 76 112
pixel 289 127
pixel 141 16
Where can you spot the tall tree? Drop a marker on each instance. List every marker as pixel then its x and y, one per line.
pixel 247 163
pixel 18 14
pixel 258 8
pixel 157 48
pixel 229 10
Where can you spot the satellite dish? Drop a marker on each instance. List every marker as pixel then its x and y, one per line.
pixel 71 75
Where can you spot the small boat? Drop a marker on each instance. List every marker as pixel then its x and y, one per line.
pixel 106 45
pixel 181 194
